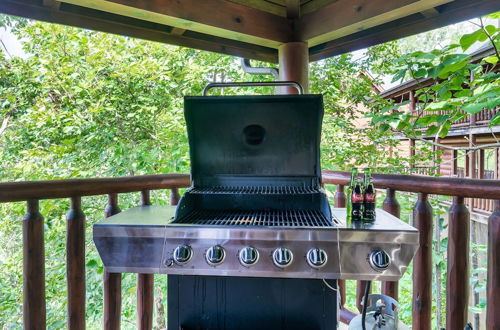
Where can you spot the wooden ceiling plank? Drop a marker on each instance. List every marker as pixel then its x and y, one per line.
pixel 215 17
pixel 263 5
pixel 313 5
pixel 450 13
pixel 346 17
pixel 100 21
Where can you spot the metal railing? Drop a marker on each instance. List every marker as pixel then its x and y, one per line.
pixel 34 311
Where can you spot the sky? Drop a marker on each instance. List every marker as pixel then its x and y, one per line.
pixel 10 42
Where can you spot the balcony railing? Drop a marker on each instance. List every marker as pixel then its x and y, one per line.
pixel 457 286
pixel 481 118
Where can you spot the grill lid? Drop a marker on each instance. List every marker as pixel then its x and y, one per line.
pixel 239 141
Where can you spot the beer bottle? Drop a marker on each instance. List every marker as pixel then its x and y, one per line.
pixel 370 197
pixel 354 175
pixel 357 201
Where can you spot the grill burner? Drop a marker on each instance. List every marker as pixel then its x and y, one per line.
pixel 257 190
pixel 282 218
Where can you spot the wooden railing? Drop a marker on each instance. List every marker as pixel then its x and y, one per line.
pixel 458 247
pixel 481 118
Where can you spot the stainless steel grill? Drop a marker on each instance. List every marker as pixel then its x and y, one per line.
pixel 257 215
pixel 282 218
pixel 257 190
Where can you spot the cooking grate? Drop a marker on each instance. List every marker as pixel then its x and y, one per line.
pixel 265 190
pixel 284 218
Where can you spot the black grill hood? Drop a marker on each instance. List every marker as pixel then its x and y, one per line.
pixel 249 141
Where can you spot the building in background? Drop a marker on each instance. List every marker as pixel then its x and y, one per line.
pixel 473 130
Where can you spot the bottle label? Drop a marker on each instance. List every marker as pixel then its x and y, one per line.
pixel 357 198
pixel 370 197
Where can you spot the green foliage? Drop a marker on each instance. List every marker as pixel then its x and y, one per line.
pixel 461 87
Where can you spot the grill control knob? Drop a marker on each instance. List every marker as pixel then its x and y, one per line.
pixel 215 255
pixel 249 256
pixel 282 257
pixel 317 258
pixel 379 260
pixel 182 254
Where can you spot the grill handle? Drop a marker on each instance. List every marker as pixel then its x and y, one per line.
pixel 294 84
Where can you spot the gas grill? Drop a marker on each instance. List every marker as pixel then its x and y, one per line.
pixel 256 211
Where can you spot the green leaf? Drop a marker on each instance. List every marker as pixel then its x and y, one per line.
pixel 399 75
pixel 437 105
pixel 474 108
pixel 468 40
pixel 495 120
pixel 493 59
pixel 491 29
pixel 432 130
pixel 495 15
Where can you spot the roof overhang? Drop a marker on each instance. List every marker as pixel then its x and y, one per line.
pixel 256 28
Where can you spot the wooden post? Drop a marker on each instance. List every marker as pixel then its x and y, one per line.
pixel 145 287
pixel 422 265
pixel 294 65
pixel 360 293
pixel 391 205
pixel 75 264
pixel 457 285
pixel 412 153
pixel 481 164
pixel 493 286
pixel 340 197
pixel 174 196
pixel 112 281
pixel 34 313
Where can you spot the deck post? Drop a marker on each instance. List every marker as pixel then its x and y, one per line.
pixel 391 205
pixel 422 265
pixel 75 261
pixel 493 286
pixel 457 284
pixel 34 312
pixel 145 287
pixel 294 65
pixel 112 281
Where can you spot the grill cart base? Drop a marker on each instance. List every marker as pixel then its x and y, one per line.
pixel 231 303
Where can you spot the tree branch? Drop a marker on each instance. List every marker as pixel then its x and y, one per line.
pixel 5 124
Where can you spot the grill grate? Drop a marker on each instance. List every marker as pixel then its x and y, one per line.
pixel 284 218
pixel 264 190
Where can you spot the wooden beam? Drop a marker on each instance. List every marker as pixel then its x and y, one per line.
pixel 292 9
pixel 453 12
pixel 177 31
pixel 52 3
pixel 215 17
pixel 346 17
pixel 100 21
pixel 431 12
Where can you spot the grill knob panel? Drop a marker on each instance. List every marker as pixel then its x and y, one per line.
pixel 249 256
pixel 182 254
pixel 317 258
pixel 282 257
pixel 379 260
pixel 215 255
